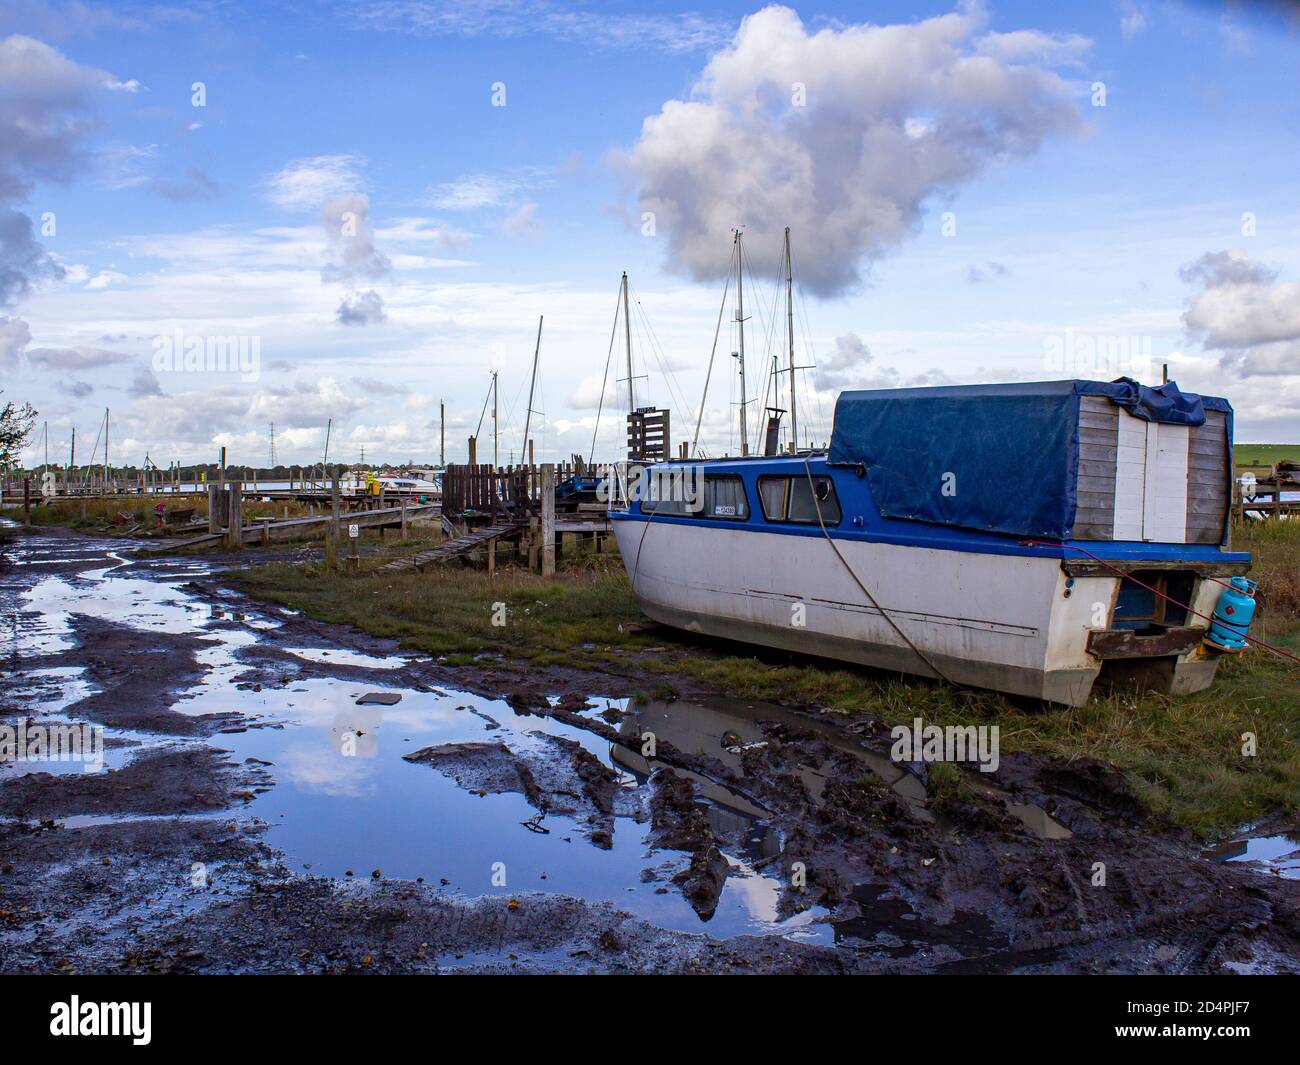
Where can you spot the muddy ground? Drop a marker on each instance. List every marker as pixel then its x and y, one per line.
pixel 165 862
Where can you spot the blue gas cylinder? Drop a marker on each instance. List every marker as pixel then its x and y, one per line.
pixel 1233 615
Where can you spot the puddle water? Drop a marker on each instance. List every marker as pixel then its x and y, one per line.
pixel 341 657
pixel 345 798
pixel 1279 855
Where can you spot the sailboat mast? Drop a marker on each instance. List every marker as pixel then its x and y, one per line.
pixel 528 417
pixel 324 461
pixel 789 332
pixel 740 324
pixel 495 434
pixel 627 337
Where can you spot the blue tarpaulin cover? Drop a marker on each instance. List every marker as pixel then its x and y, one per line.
pixel 1000 458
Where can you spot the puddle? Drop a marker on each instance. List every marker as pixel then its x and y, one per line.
pixel 723 728
pixel 1276 855
pixel 345 799
pixel 344 796
pixel 341 657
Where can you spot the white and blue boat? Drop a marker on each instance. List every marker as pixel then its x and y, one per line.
pixel 1026 538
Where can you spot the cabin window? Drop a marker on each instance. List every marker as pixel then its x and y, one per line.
pixel 793 499
pixel 724 497
pixel 673 491
pixel 771 494
pixel 672 504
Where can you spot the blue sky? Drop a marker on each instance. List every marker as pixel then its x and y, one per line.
pixel 1066 220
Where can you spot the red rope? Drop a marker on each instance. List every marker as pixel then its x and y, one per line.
pixel 1156 591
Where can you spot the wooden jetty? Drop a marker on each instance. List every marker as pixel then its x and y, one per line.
pixel 239 534
pixel 1263 497
pixel 530 506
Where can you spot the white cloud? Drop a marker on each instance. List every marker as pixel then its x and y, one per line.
pixel 1132 20
pixel 350 238
pixel 851 366
pixel 14 337
pixel 1245 313
pixel 1066 49
pixel 74 359
pixel 892 116
pixel 522 221
pixel 597 29
pixel 105 278
pixel 361 308
pixel 47 109
pixel 472 191
pixel 120 165
pixel 305 184
pixel 144 383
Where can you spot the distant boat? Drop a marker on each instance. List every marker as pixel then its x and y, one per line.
pixel 1023 538
pixel 392 484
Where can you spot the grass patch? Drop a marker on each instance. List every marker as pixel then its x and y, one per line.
pixel 101 515
pixel 452 609
pixel 946 784
pixel 1183 755
pixel 1263 455
pixel 1275 544
pixel 67 513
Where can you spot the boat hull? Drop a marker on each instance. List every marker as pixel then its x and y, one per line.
pixel 1011 623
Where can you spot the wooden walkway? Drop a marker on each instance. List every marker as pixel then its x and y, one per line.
pixel 272 531
pixel 461 545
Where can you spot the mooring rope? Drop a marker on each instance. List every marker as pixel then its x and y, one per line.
pixel 865 591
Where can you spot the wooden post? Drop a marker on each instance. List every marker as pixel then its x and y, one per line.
pixel 214 508
pixel 354 558
pixel 27 500
pixel 406 524
pixel 492 558
pixel 333 531
pixel 548 519
pixel 235 528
